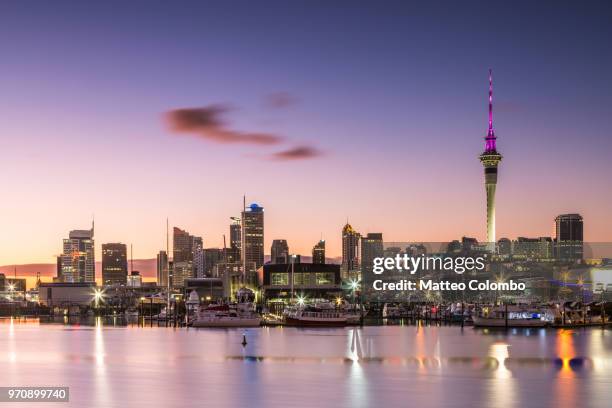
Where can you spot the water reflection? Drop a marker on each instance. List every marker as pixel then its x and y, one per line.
pixel 110 365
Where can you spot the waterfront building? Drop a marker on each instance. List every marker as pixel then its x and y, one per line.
pixel 350 252
pixel 162 269
pixel 253 236
pixel 78 257
pixel 371 247
pixel 569 237
pixel 114 264
pixel 65 294
pixel 312 281
pixel 490 160
pixel 318 252
pixel 279 252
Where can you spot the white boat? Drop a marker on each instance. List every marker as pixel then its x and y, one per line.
pixel 513 316
pixel 241 314
pixel 304 315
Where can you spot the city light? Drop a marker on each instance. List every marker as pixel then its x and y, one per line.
pixel 354 284
pixel 98 296
pixel 301 300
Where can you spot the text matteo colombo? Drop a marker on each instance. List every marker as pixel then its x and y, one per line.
pixel 413 264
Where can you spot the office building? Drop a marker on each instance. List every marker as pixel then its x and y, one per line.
pixel 162 268
pixel 318 253
pixel 78 257
pixel 114 264
pixel 253 237
pixel 279 252
pixel 350 252
pixel 371 247
pixel 569 237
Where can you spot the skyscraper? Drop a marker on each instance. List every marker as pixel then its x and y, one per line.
pixel 162 269
pixel 235 233
pixel 184 249
pixel 490 159
pixel 114 264
pixel 279 252
pixel 318 253
pixel 350 252
pixel 253 237
pixel 371 247
pixel 78 258
pixel 569 236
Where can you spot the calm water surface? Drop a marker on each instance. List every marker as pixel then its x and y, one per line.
pixel 133 366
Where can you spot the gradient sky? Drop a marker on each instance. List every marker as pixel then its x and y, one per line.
pixel 394 95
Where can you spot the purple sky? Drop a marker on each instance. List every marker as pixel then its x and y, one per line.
pixel 387 102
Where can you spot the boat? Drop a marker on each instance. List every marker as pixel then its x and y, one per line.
pixel 240 314
pixel 513 316
pixel 315 316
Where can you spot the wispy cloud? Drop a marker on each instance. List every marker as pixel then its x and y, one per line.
pixel 280 100
pixel 206 123
pixel 297 153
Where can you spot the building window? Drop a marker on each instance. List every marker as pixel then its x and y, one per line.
pixel 325 278
pixel 279 279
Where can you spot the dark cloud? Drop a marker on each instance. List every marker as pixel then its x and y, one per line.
pixel 280 100
pixel 297 153
pixel 206 122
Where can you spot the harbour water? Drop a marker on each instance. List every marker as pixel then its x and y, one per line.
pixel 385 366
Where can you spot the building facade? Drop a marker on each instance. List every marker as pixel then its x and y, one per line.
pixel 253 237
pixel 318 253
pixel 569 239
pixel 162 269
pixel 114 264
pixel 350 252
pixel 371 247
pixel 78 257
pixel 279 252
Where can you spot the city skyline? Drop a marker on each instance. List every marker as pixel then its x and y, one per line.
pixel 391 145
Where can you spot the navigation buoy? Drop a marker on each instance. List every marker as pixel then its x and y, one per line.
pixel 244 342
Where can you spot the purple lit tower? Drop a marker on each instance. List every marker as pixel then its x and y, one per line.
pixel 490 159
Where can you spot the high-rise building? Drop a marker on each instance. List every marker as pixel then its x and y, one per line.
pixel 114 264
pixel 78 257
pixel 198 258
pixel 350 252
pixel 184 249
pixel 279 252
pixel 371 247
pixel 490 160
pixel 235 233
pixel 162 269
pixel 318 253
pixel 253 237
pixel 212 256
pixel 569 236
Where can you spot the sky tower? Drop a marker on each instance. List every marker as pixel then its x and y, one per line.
pixel 490 159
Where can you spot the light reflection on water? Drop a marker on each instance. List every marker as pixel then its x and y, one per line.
pixel 107 366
